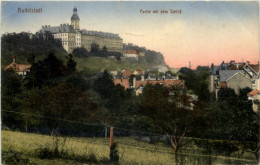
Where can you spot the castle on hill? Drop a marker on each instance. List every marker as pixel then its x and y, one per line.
pixel 73 37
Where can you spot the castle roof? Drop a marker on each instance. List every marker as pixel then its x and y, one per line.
pixel 63 28
pixel 75 14
pixel 100 34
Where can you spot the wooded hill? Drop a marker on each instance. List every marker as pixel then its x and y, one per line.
pixel 23 45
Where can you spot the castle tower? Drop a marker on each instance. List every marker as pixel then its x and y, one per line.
pixel 75 19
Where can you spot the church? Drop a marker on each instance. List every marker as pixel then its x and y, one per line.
pixel 73 37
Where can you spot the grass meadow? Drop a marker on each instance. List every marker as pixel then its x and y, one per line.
pixel 28 147
pixel 97 64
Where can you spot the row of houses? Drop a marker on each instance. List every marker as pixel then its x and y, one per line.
pixel 128 80
pixel 236 75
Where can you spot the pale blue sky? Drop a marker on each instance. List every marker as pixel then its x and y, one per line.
pixel 203 30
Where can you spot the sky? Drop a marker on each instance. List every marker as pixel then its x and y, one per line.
pixel 204 32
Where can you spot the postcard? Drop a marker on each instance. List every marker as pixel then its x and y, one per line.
pixel 121 82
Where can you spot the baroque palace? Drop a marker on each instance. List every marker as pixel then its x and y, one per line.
pixel 73 37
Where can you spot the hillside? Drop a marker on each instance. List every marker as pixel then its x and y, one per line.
pixel 97 64
pixel 23 45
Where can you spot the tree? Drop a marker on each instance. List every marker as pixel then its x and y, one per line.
pixel 80 53
pixel 71 64
pixel 64 102
pixel 233 119
pixel 53 67
pixel 44 72
pixel 189 76
pixel 11 88
pixel 169 112
pixel 94 49
pixel 227 94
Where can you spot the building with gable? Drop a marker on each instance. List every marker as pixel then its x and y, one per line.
pixel 71 36
pixel 232 75
pixel 21 69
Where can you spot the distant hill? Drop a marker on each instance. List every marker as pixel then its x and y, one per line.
pixel 22 45
pixel 150 56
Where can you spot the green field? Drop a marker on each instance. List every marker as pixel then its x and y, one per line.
pixel 97 64
pixel 96 151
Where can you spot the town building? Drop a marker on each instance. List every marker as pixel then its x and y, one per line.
pixel 132 83
pixel 232 75
pixel 138 72
pixel 71 36
pixel 254 95
pixel 21 69
pixel 131 54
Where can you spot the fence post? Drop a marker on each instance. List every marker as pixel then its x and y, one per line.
pixel 111 137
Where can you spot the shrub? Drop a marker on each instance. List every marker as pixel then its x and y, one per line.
pixel 114 155
pixel 14 158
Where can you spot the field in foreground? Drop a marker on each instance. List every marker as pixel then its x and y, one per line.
pixel 29 148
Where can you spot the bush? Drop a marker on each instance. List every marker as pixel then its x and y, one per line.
pixel 47 153
pixel 114 155
pixel 14 158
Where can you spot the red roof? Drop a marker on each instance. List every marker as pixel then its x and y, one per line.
pixel 122 82
pixel 254 92
pixel 223 85
pixel 139 71
pixel 18 67
pixel 255 67
pixel 165 83
pixel 127 73
pixel 131 52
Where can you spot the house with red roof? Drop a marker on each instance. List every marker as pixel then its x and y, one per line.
pixel 235 75
pixel 122 82
pixel 21 69
pixel 131 54
pixel 138 72
pixel 126 73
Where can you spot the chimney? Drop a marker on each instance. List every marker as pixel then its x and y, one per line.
pixel 14 58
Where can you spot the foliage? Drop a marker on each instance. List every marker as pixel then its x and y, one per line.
pixel 80 53
pixel 150 56
pixel 114 155
pixel 22 45
pixel 71 64
pixel 197 81
pixel 170 113
pixel 232 118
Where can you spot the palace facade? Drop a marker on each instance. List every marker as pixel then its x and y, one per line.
pixel 73 37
